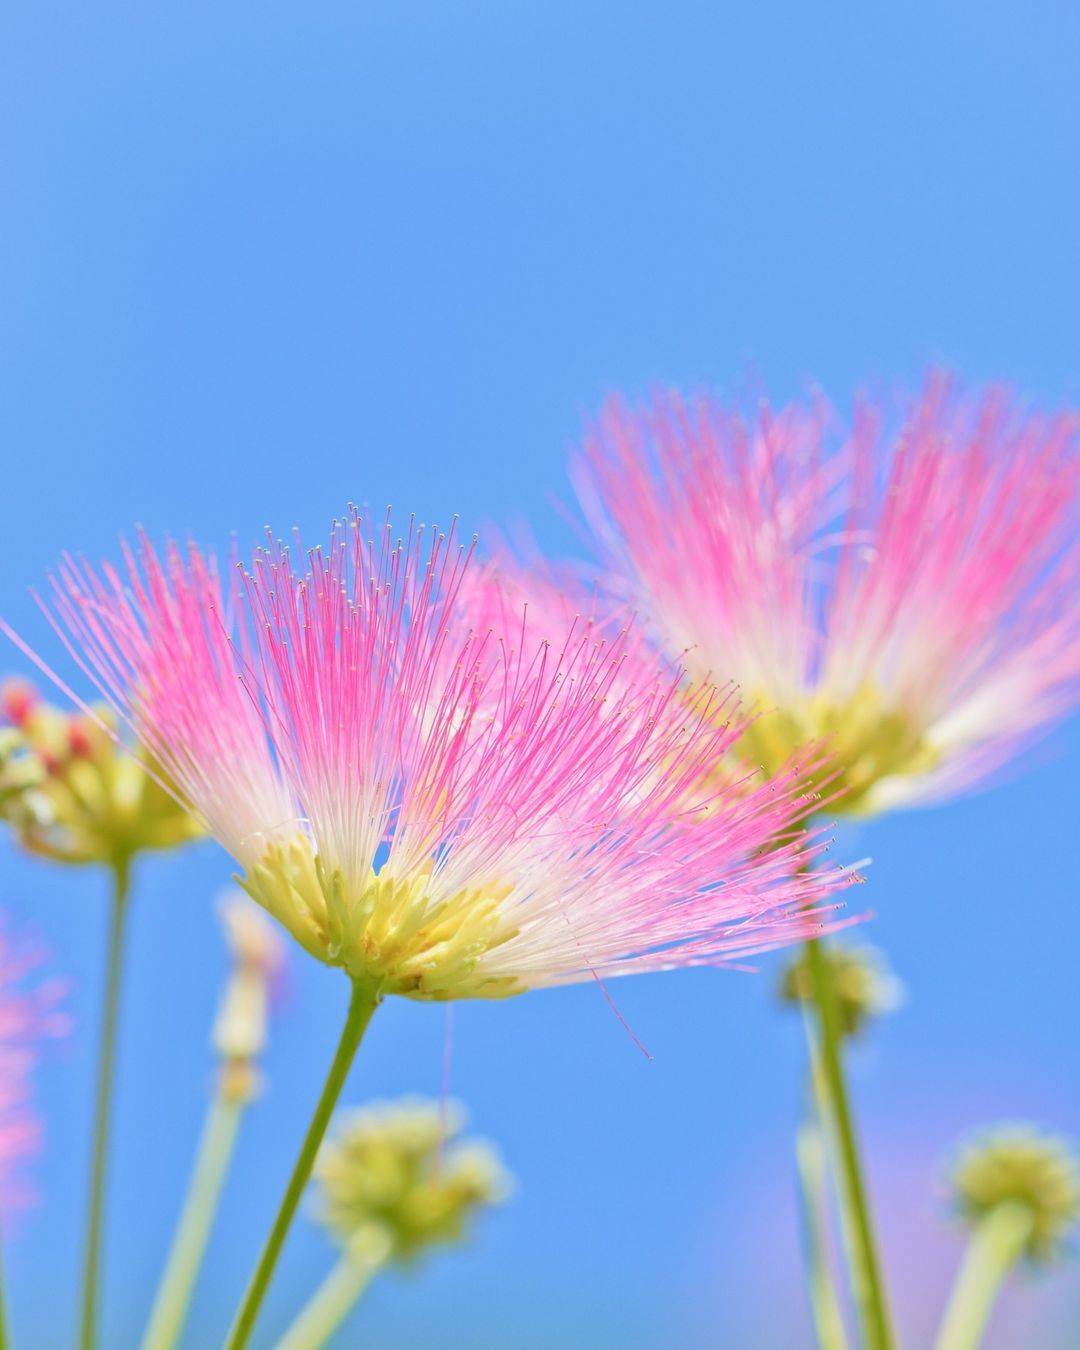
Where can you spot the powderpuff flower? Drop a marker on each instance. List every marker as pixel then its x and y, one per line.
pixel 28 1015
pixel 903 595
pixel 441 813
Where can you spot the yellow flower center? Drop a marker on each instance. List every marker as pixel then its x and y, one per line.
pixel 863 740
pixel 389 931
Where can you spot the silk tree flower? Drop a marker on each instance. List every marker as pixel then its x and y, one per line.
pixel 902 593
pixel 440 814
pixel 28 1015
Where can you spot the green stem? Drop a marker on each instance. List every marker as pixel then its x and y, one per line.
pixel 867 1282
pixel 362 1005
pixel 106 1060
pixel 328 1306
pixel 196 1220
pixel 3 1313
pixel 811 1161
pixel 995 1247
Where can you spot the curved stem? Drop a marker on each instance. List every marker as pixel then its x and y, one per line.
pixel 196 1220
pixel 995 1247
pixel 362 1005
pixel 106 1058
pixel 328 1306
pixel 868 1285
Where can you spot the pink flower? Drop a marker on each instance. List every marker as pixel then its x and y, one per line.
pixel 443 811
pixel 27 1016
pixel 905 594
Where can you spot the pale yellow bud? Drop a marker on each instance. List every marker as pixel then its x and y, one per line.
pixel 239 1034
pixel 253 938
pixel 392 1185
pixel 1020 1165
pixel 863 986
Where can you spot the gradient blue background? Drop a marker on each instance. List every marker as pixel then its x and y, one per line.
pixel 261 259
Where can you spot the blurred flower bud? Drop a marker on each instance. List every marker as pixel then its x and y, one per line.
pixel 79 796
pixel 239 1034
pixel 863 986
pixel 18 699
pixel 390 1187
pixel 1019 1165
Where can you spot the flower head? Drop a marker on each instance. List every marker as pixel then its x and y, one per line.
pixel 72 793
pixel 863 986
pixel 1021 1165
pixel 28 1014
pixel 441 814
pixel 902 596
pixel 392 1183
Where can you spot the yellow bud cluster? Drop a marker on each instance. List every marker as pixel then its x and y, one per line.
pixel 72 793
pixel 863 986
pixel 392 1184
pixel 1020 1165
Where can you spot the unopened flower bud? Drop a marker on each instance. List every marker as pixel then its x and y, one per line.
pixel 83 797
pixel 18 699
pixel 863 986
pixel 1020 1165
pixel 391 1187
pixel 253 938
pixel 239 1034
pixel 80 741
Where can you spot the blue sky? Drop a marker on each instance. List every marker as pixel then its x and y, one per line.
pixel 261 260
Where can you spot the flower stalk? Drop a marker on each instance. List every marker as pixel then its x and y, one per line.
pixel 996 1246
pixel 330 1304
pixel 362 1004
pixel 811 1164
pixel 239 1037
pixel 196 1220
pixel 103 1110
pixel 867 1280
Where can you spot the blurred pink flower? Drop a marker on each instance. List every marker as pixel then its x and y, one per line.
pixel 28 1015
pixel 442 811
pixel 906 596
